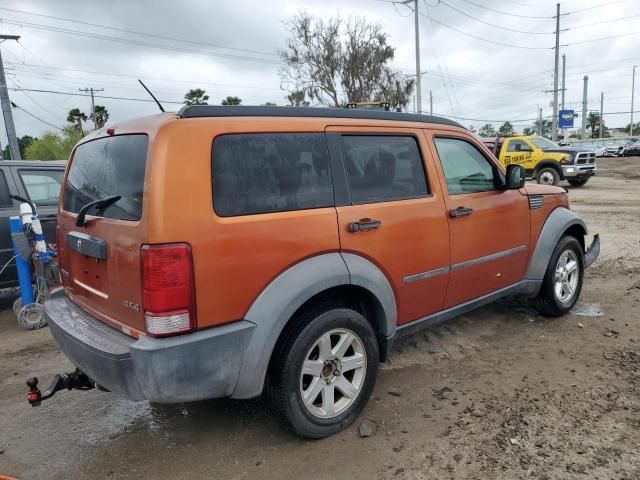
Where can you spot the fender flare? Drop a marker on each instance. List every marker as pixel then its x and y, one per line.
pixel 276 304
pixel 547 162
pixel 556 224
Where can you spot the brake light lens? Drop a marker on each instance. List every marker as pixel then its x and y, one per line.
pixel 168 294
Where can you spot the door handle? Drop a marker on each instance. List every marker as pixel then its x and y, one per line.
pixel 364 224
pixel 460 212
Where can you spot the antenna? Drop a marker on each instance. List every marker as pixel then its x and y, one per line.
pixel 152 96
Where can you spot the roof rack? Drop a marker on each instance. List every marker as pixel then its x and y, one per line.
pixel 198 111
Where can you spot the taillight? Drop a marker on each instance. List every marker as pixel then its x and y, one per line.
pixel 168 294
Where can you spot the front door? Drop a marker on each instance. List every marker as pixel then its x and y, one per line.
pixel 394 215
pixel 488 226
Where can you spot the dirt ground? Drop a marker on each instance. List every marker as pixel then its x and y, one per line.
pixel 500 393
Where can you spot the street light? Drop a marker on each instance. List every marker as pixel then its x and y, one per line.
pixel 633 87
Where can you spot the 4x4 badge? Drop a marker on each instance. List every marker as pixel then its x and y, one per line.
pixel 131 305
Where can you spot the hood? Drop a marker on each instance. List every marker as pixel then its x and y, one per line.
pixel 535 189
pixel 570 150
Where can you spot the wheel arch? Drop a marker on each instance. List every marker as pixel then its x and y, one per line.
pixel 328 277
pixel 548 163
pixel 561 221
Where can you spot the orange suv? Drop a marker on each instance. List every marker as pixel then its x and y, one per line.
pixel 231 251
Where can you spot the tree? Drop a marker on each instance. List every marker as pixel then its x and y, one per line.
pixel 593 124
pixel 297 99
pixel 101 115
pixel 270 104
pixel 23 143
pixel 506 129
pixel 546 127
pixel 487 130
pixel 529 131
pixel 196 96
pixel 76 117
pixel 335 62
pixel 636 128
pixel 232 101
pixel 53 146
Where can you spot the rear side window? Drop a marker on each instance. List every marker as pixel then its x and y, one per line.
pixel 42 186
pixel 465 168
pixel 382 168
pixel 270 172
pixel 106 167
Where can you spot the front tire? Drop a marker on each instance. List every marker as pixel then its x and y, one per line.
pixel 562 282
pixel 578 183
pixel 324 371
pixel 548 176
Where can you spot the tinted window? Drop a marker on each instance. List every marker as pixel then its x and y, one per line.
pixel 465 168
pixel 270 172
pixel 381 168
pixel 107 167
pixel 42 186
pixel 5 200
pixel 518 146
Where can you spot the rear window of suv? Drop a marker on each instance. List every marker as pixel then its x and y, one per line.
pixel 270 172
pixel 106 167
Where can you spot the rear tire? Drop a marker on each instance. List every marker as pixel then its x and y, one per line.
pixel 578 183
pixel 548 176
pixel 562 282
pixel 339 352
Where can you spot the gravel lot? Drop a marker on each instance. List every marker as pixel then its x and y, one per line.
pixel 499 393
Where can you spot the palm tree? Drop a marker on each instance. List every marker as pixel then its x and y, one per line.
pixel 101 115
pixel 593 123
pixel 76 117
pixel 232 101
pixel 196 96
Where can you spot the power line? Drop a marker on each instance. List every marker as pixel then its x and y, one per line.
pixel 96 96
pixel 600 39
pixel 592 7
pixel 502 44
pixel 503 12
pixel 135 32
pixel 32 115
pixel 461 12
pixel 134 42
pixel 602 22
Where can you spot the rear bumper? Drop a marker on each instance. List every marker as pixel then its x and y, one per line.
pixel 194 366
pixel 579 171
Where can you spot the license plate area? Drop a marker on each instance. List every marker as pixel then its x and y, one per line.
pixel 88 263
pixel 87 245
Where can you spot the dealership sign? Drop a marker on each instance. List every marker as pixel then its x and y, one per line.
pixel 566 118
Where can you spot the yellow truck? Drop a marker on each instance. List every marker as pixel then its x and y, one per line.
pixel 543 160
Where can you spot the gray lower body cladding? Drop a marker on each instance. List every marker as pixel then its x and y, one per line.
pixel 194 366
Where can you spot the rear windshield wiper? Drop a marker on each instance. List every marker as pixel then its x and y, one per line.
pixel 100 206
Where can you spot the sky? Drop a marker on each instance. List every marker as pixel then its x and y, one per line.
pixel 485 60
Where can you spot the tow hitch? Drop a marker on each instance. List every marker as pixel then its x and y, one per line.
pixel 66 381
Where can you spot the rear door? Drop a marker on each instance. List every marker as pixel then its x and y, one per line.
pixel 100 260
pixel 394 214
pixel 42 186
pixel 489 227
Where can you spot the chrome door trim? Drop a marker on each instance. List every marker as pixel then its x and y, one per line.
pixel 425 275
pixel 457 266
pixel 488 258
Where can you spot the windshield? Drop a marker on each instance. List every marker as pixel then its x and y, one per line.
pixel 542 143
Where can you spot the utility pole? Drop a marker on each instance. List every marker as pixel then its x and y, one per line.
pixel 601 113
pixel 583 131
pixel 93 105
pixel 540 121
pixel 633 88
pixel 563 88
pixel 417 32
pixel 554 128
pixel 431 102
pixel 14 149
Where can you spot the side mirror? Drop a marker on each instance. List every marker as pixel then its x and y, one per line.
pixel 515 177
